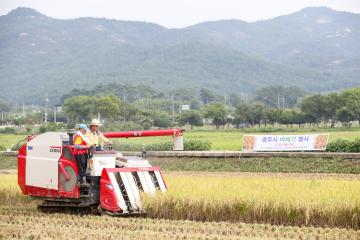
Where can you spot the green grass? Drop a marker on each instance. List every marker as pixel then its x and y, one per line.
pixel 220 139
pixel 7 140
pixel 267 165
pixel 275 165
pixel 228 140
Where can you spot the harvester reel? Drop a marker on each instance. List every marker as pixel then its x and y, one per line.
pixel 68 185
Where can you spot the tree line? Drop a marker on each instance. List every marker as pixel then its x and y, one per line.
pixel 141 107
pixel 315 109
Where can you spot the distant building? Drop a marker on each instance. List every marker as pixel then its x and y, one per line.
pixel 185 107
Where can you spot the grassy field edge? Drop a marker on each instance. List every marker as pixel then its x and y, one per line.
pixel 275 165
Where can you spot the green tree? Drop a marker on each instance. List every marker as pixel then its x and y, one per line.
pixel 344 116
pixel 195 104
pixel 207 96
pixel 299 118
pixel 193 118
pixel 216 112
pixel 351 102
pixel 79 108
pixel 274 116
pixel 252 114
pixel 279 96
pixel 256 114
pixel 83 108
pixel 332 103
pixel 241 112
pixel 286 117
pixel 162 121
pixel 157 104
pixel 315 106
pixel 108 106
pixel 235 100
pixel 183 94
pixel 128 111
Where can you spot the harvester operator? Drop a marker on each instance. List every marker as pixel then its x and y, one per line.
pixel 81 148
pixel 95 136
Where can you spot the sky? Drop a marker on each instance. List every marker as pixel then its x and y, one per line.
pixel 174 13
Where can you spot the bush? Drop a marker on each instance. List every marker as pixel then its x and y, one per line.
pixel 146 124
pixel 162 122
pixel 354 146
pixel 197 145
pixel 121 126
pixel 128 147
pixel 340 145
pixel 52 127
pixel 2 148
pixel 189 145
pixel 165 146
pixel 8 130
pixel 28 129
pixel 70 126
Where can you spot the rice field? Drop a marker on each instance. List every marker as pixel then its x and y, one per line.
pixel 220 139
pixel 259 198
pixel 8 140
pixel 27 223
pixel 205 206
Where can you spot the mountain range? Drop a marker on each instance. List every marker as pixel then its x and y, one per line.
pixel 316 48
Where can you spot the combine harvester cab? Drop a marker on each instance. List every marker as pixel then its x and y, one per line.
pixel 47 170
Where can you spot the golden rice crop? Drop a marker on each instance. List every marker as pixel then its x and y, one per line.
pixel 250 198
pixel 10 193
pixel 253 198
pixel 26 223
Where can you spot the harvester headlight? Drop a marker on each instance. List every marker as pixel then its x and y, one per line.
pixel 109 186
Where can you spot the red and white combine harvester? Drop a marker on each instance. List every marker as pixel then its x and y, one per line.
pixel 47 170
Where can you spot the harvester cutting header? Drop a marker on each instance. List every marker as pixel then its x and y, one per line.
pixel 47 169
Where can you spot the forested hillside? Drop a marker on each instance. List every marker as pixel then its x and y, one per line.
pixel 315 48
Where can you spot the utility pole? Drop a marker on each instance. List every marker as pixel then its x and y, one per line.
pixel 54 114
pixel 225 99
pixel 278 100
pixel 173 108
pixel 46 108
pixel 23 110
pixel 283 101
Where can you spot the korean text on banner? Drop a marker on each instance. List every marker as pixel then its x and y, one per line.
pixel 303 142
